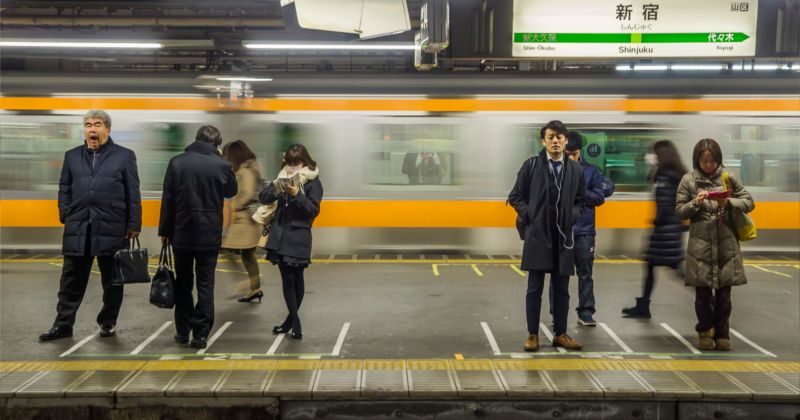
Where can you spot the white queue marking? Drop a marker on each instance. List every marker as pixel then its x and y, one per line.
pixel 151 338
pixel 550 336
pixel 680 338
pixel 615 337
pixel 490 337
pixel 275 344
pixel 338 347
pixel 215 337
pixel 79 344
pixel 752 344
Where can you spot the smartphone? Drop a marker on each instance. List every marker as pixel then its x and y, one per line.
pixel 286 183
pixel 718 195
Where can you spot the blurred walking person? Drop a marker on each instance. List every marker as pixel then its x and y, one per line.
pixel 713 259
pixel 101 208
pixel 195 186
pixel 242 232
pixel 298 191
pixel 548 197
pixel 665 248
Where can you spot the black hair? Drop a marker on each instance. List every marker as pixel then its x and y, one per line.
pixel 237 153
pixel 574 141
pixel 706 144
pixel 296 154
pixel 209 134
pixel 556 126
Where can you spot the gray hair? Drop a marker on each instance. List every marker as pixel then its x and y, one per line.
pixel 98 114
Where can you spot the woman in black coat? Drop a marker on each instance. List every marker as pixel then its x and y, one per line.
pixel 666 240
pixel 298 192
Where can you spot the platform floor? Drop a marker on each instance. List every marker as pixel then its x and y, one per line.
pixel 410 326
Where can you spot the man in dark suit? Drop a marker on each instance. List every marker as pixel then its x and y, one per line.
pixel 195 186
pixel 548 197
pixel 100 206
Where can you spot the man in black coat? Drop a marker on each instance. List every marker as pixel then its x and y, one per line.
pixel 196 184
pixel 101 208
pixel 548 197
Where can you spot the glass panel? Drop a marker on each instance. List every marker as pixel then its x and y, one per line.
pixel 413 154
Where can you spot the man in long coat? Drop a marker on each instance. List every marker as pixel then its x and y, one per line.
pixel 101 208
pixel 548 197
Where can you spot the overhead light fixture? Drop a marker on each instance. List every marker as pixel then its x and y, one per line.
pixel 330 46
pixel 243 79
pixel 698 67
pixel 80 44
pixel 650 67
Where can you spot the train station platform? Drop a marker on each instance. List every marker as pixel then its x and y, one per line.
pixel 394 335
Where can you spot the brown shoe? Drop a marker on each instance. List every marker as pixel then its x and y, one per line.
pixel 706 340
pixel 532 344
pixel 567 342
pixel 723 344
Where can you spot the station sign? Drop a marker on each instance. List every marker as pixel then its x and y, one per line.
pixel 634 28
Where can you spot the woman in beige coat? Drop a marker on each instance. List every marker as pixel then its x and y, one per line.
pixel 243 232
pixel 713 259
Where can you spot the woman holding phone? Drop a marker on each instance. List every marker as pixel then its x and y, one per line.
pixel 713 258
pixel 298 191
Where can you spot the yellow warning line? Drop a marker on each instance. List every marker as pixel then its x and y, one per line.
pixel 768 271
pixel 475 269
pixel 514 266
pixel 458 363
pixel 441 261
pixel 435 268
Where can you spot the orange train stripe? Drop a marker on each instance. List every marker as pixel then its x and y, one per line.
pixel 401 104
pixel 417 214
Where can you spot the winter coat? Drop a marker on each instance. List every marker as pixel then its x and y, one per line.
pixel 102 188
pixel 713 258
pixel 243 232
pixel 195 186
pixel 598 187
pixel 291 228
pixel 531 197
pixel 666 240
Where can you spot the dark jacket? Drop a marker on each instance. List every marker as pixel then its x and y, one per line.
pixel 195 186
pixel 531 197
pixel 101 187
pixel 598 187
pixel 291 227
pixel 666 241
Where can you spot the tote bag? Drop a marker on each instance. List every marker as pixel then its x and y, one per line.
pixel 130 265
pixel 162 289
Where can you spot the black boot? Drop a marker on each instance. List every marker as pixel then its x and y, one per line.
pixel 641 310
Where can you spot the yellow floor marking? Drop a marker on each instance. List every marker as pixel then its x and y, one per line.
pixel 62 266
pixel 768 270
pixel 517 270
pixel 435 268
pixel 475 269
pixel 459 356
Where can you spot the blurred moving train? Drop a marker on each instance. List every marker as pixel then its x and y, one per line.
pixel 413 174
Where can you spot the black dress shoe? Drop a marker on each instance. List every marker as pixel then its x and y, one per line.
pixel 181 339
pixel 280 330
pixel 297 335
pixel 199 343
pixel 55 333
pixel 108 330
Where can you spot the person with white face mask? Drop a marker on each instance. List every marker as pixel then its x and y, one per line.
pixel 665 247
pixel 298 191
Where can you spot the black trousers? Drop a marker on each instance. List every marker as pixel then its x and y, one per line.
pixel 293 291
pixel 533 301
pixel 713 308
pixel 75 278
pixel 190 317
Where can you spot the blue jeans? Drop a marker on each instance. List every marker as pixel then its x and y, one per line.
pixel 533 301
pixel 584 260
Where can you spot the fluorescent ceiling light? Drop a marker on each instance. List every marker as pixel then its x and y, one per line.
pixel 650 67
pixel 330 47
pixel 76 44
pixel 243 79
pixel 700 67
pixel 624 67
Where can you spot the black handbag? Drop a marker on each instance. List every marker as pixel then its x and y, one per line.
pixel 162 289
pixel 130 265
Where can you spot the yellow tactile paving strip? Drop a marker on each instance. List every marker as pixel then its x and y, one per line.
pixel 429 364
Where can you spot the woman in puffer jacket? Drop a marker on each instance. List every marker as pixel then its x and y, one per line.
pixel 289 244
pixel 713 258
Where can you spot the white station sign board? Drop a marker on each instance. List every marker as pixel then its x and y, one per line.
pixel 634 28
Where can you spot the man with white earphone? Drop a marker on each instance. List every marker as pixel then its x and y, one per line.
pixel 548 197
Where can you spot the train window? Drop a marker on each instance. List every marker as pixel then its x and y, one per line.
pixel 413 154
pixel 764 156
pixel 32 153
